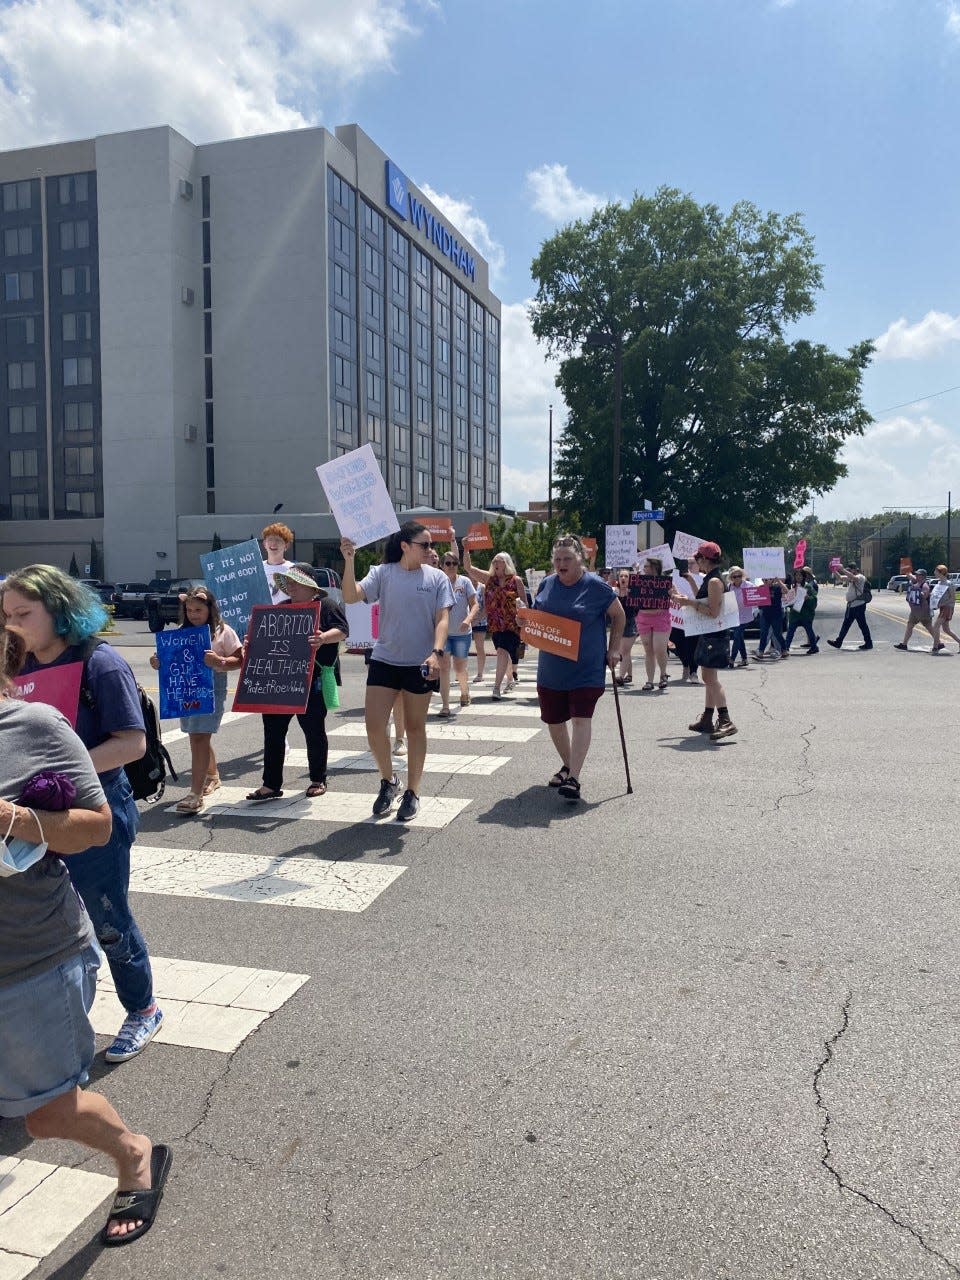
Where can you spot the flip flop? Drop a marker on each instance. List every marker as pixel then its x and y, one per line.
pixel 646 687
pixel 316 789
pixel 129 1206
pixel 261 797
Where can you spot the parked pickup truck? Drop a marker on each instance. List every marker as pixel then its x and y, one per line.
pixel 128 598
pixel 164 606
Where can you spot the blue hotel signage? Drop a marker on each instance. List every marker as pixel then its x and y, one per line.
pixel 405 205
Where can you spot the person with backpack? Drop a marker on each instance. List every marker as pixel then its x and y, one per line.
pixel 918 598
pixel 59 618
pixel 198 608
pixel 803 609
pixel 859 596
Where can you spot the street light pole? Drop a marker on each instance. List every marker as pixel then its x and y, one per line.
pixel 617 404
pixel 550 466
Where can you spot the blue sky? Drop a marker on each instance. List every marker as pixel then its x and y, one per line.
pixel 520 116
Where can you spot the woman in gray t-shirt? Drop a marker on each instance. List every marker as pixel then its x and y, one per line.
pixel 48 962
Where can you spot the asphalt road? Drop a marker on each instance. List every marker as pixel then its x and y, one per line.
pixel 709 1029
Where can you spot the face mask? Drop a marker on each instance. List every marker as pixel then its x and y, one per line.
pixel 19 855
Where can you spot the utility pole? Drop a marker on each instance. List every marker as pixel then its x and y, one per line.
pixel 550 466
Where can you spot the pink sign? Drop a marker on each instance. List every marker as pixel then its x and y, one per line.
pixel 56 686
pixel 800 554
pixel 756 595
pixel 836 564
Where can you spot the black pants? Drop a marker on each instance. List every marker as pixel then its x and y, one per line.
pixel 856 613
pixel 313 724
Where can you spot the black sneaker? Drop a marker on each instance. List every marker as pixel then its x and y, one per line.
pixel 388 793
pixel 409 807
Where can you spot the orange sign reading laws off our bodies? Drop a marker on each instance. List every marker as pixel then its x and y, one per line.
pixel 477 537
pixel 550 632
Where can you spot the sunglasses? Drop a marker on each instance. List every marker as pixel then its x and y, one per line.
pixel 421 544
pixel 452 564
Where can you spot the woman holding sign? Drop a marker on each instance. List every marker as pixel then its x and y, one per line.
pixel 503 591
pixel 653 624
pixel 569 688
pixel 415 602
pixel 713 649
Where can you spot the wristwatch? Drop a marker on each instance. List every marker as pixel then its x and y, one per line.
pixel 438 652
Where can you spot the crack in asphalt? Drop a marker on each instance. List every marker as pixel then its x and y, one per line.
pixel 189 1136
pixel 754 695
pixel 805 776
pixel 826 1154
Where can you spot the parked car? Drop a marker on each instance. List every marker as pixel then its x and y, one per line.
pixel 164 606
pixel 103 589
pixel 899 582
pixel 128 598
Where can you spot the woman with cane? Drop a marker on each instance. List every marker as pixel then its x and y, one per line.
pixel 568 688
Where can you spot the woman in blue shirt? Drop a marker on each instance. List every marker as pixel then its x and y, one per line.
pixel 568 688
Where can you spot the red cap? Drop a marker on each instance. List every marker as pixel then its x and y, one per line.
pixel 709 551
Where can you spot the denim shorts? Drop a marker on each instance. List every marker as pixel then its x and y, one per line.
pixel 46 1040
pixel 459 645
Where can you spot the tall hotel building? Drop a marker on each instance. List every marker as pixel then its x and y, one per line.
pixel 188 331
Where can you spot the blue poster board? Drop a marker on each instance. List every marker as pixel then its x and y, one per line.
pixel 237 578
pixel 186 682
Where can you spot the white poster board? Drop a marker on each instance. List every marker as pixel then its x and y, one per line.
pixel 534 578
pixel 678 615
pixel 660 552
pixel 360 621
pixel 764 562
pixel 697 623
pixel 685 545
pixel 620 546
pixel 358 496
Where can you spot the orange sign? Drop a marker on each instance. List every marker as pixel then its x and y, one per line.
pixel 439 527
pixel 550 632
pixel 906 564
pixel 478 537
pixel 590 547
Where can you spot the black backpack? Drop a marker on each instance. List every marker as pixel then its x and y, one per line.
pixel 867 593
pixel 148 775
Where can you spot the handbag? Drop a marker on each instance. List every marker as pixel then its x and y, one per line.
pixel 713 650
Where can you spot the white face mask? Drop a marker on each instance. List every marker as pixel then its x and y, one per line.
pixel 19 855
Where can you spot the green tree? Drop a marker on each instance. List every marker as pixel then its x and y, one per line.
pixel 216 544
pixel 74 570
pixel 726 423
pixel 96 560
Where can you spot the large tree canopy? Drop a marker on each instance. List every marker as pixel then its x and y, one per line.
pixel 725 423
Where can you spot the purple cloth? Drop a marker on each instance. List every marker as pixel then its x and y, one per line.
pixel 49 791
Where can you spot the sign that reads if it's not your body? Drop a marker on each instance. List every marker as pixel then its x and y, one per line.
pixel 278 664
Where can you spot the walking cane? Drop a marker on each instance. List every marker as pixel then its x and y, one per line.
pixel 623 744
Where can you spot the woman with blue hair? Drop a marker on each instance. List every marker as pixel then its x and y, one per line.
pixel 58 618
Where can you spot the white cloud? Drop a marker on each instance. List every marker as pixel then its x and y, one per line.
pixel 930 336
pixel 529 388
pixel 902 430
pixel 466 219
pixel 953 20
pixel 211 68
pixel 557 197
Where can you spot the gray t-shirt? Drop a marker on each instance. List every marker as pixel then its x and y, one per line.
pixel 464 593
pixel 42 921
pixel 409 600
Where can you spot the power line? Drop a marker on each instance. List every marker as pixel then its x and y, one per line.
pixel 919 400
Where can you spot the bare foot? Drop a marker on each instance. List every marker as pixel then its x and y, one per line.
pixel 133 1174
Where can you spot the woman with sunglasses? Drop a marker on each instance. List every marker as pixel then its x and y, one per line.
pixel 713 649
pixel 460 631
pixel 738 649
pixel 415 602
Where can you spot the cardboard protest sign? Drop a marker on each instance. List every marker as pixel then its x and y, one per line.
pixel 186 682
pixel 647 592
pixel 660 552
pixel 278 666
pixel 236 576
pixel 698 623
pixel 364 622
pixel 478 537
pixel 755 596
pixel 764 562
pixel 550 632
pixel 685 545
pixel 58 687
pixel 620 545
pixel 358 496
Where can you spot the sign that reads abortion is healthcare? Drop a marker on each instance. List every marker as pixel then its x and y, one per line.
pixel 358 496
pixel 278 666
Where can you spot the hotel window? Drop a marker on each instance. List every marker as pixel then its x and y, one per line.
pixel 443 351
pixel 373 345
pixel 423 410
pixel 341 236
pixel 22 418
pixel 443 457
pixel 74 189
pixel 17 240
pixel 374 303
pixel 461 328
pixel 374 388
pixel 462 363
pixel 443 386
pixel 423 448
pixel 443 491
pixel 78 416
pixel 24 506
pixel 443 422
pixel 372 260
pixel 422 263
pixel 23 463
pixel 443 284
pixel 372 221
pixel 343 417
pixel 398 242
pixel 399 358
pixel 461 396
pixel 423 484
pixel 341 192
pixel 461 431
pixel 460 298
pixel 401 402
pixel 399 321
pixel 79 503
pixel 401 439
pixel 478 439
pixel 477 491
pixel 21 331
pixel 341 326
pixel 18 286
pixel 461 463
pixel 21 375
pixel 398 278
pixel 461 495
pixel 374 429
pixel 423 336
pixel 16 195
pixel 341 281
pixel 423 374
pixel 77 326
pixel 477 405
pixel 342 371
pixel 78 372
pixel 74 280
pixel 491 415
pixel 78 461
pixel 423 298
pixel 443 317
pixel 75 235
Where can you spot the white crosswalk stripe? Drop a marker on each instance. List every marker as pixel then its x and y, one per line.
pixel 335 806
pixel 363 761
pixel 40 1205
pixel 205 1006
pixel 444 730
pixel 509 709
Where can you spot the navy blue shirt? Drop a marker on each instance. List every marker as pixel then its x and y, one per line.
pixel 586 602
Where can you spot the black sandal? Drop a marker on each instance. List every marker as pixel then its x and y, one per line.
pixel 560 777
pixel 570 790
pixel 142 1205
pixel 316 789
pixel 261 795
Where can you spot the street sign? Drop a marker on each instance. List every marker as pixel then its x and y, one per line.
pixel 647 515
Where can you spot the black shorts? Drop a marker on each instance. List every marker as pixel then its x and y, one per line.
pixel 383 675
pixel 508 640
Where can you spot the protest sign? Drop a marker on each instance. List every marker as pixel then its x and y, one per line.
pixel 439 527
pixel 906 564
pixel 698 623
pixel 685 545
pixel 278 666
pixel 358 496
pixel 800 553
pixel 789 597
pixel 56 686
pixel 755 596
pixel 534 578
pixel 589 548
pixel 620 545
pixel 764 562
pixel 647 592
pixel 186 682
pixel 550 632
pixel 363 621
pixel 477 537
pixel 660 552
pixel 836 564
pixel 235 575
